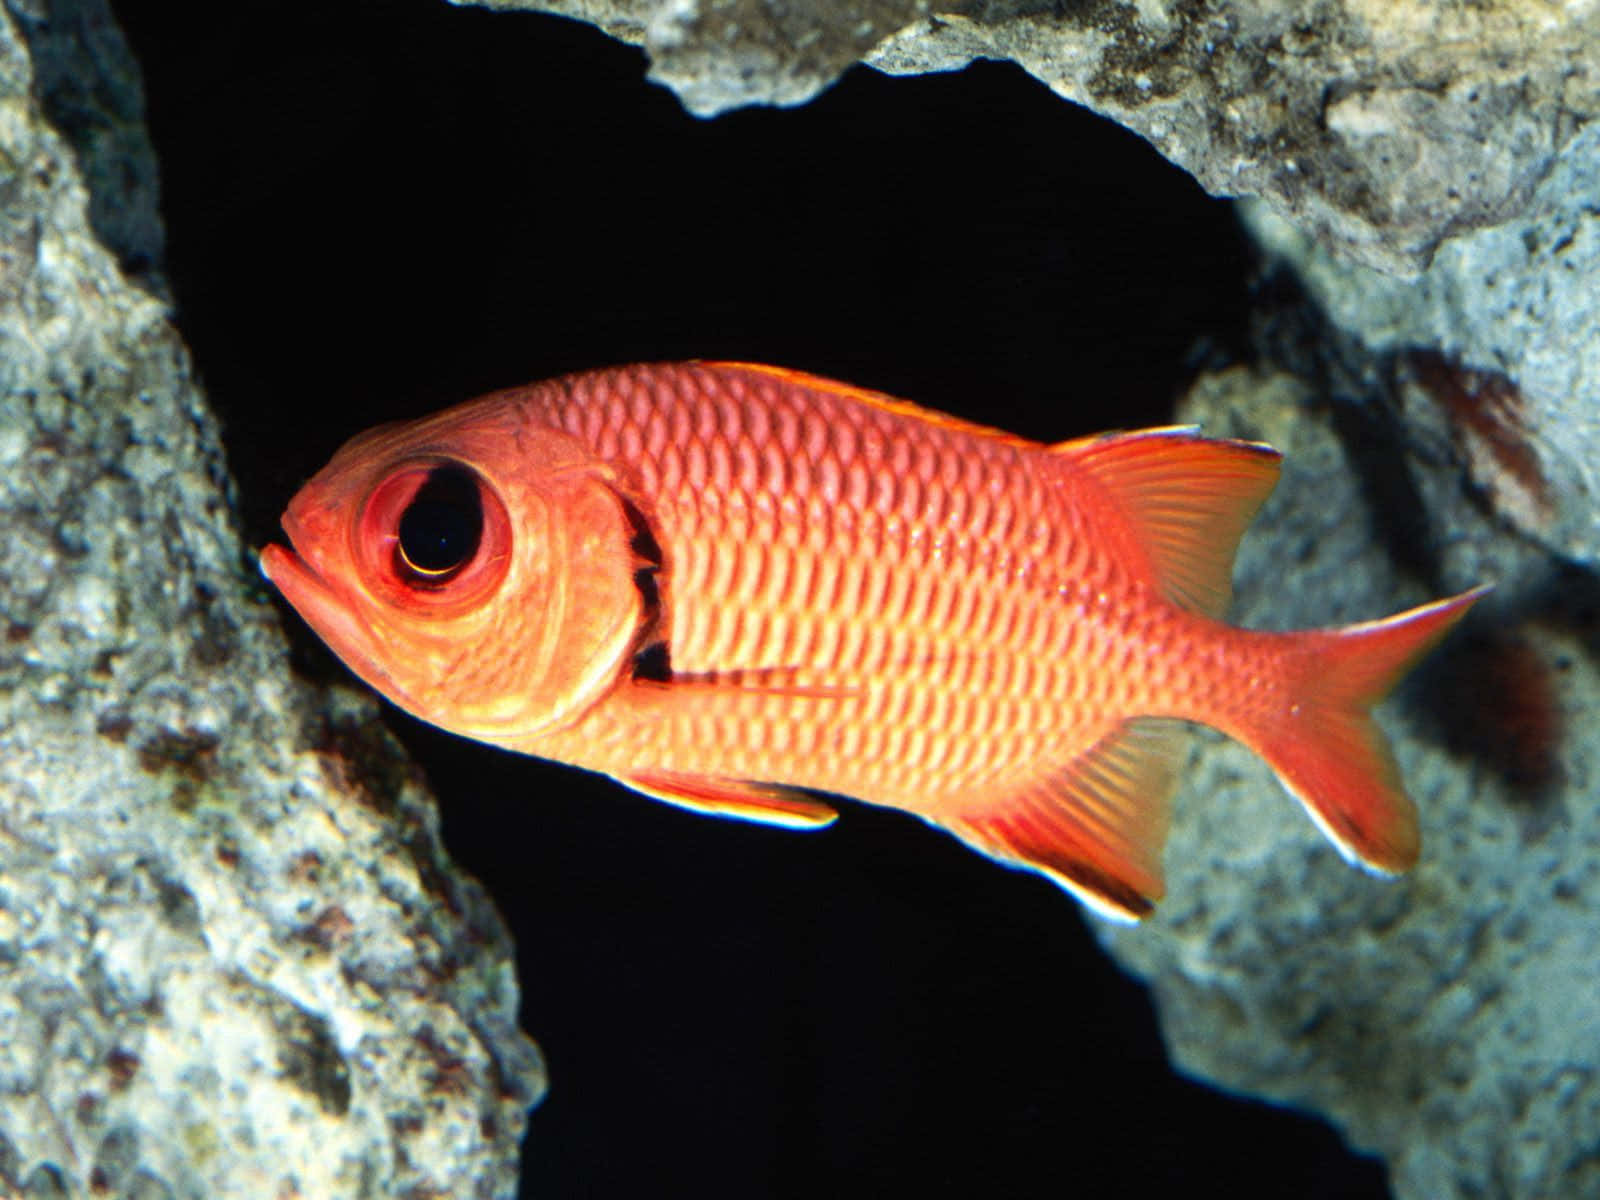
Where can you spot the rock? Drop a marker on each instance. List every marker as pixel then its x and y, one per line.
pixel 1438 1019
pixel 1518 302
pixel 101 112
pixel 234 959
pixel 1380 127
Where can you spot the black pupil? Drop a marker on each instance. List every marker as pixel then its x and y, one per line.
pixel 440 528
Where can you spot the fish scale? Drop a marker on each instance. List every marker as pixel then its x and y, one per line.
pixel 966 518
pixel 732 586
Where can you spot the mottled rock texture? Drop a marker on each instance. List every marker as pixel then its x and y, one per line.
pixel 234 960
pixel 1380 126
pixel 1515 313
pixel 1449 1019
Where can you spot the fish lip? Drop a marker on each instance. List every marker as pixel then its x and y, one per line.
pixel 322 607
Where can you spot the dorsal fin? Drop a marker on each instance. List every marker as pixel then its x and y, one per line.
pixel 1187 499
pixel 878 400
pixel 1097 826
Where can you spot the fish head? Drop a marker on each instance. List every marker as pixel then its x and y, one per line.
pixel 474 567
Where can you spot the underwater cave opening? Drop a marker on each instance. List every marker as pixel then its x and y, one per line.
pixel 374 209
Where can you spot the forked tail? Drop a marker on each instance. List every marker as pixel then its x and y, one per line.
pixel 1171 507
pixel 1325 746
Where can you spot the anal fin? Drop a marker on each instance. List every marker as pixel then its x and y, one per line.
pixel 769 803
pixel 1097 825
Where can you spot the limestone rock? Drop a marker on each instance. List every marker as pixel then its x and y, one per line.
pixel 1381 127
pixel 1518 301
pixel 1444 1019
pixel 234 960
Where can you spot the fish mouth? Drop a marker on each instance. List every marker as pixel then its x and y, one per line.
pixel 328 613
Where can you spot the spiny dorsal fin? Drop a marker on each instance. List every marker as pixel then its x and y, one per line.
pixel 768 803
pixel 1098 825
pixel 1188 500
pixel 878 400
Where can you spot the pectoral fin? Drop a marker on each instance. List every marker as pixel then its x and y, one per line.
pixel 754 681
pixel 769 803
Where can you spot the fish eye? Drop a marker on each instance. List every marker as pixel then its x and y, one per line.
pixel 433 532
pixel 441 528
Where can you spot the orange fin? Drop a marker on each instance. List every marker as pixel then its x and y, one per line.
pixel 769 803
pixel 1326 748
pixel 1097 826
pixel 878 400
pixel 1187 500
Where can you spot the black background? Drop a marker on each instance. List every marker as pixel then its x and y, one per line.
pixel 375 209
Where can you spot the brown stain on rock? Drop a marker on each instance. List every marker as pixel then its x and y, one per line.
pixel 1505 709
pixel 1488 418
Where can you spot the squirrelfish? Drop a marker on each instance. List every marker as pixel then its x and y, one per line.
pixel 733 587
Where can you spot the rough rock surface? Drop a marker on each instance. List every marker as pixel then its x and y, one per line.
pixel 234 961
pixel 1521 301
pixel 1380 126
pixel 1446 1019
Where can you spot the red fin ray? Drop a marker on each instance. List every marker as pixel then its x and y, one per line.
pixel 871 399
pixel 1097 826
pixel 1326 748
pixel 767 803
pixel 1186 500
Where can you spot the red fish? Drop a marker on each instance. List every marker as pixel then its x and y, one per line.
pixel 732 587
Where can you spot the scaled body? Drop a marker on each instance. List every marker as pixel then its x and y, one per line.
pixel 707 579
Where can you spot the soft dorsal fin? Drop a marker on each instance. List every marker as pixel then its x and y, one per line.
pixel 1097 826
pixel 769 803
pixel 1188 500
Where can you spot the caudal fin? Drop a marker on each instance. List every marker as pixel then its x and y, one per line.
pixel 1327 750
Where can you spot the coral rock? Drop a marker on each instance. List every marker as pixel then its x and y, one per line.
pixel 234 960
pixel 1380 126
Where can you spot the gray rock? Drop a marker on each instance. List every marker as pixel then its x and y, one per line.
pixel 90 87
pixel 1521 300
pixel 234 960
pixel 1449 1019
pixel 1381 127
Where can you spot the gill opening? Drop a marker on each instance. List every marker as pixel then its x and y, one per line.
pixel 652 656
